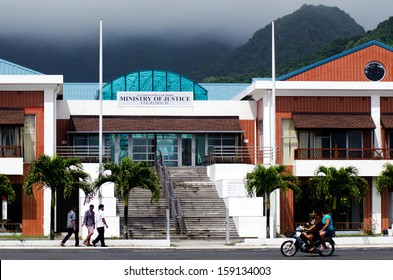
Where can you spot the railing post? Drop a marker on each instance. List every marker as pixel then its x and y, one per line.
pixel 227 226
pixel 168 225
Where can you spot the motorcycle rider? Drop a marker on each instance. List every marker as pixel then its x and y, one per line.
pixel 312 232
pixel 327 229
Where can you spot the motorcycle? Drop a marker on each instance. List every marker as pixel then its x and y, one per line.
pixel 299 242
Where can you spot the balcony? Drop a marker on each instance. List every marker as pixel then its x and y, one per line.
pixel 11 160
pixel 239 154
pixel 86 154
pixel 10 151
pixel 343 154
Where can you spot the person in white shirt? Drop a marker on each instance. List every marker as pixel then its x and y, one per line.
pixel 100 225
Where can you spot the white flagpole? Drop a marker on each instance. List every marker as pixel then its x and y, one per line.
pixel 100 111
pixel 273 104
pixel 277 222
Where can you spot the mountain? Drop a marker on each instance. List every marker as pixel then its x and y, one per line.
pixel 310 33
pixel 383 33
pixel 305 31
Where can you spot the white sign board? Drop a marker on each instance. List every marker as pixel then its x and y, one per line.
pixel 154 98
pixel 236 188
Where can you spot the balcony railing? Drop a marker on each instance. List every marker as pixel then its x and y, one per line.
pixel 86 154
pixel 343 154
pixel 239 154
pixel 10 151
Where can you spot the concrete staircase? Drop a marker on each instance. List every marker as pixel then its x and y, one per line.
pixel 204 212
pixel 146 220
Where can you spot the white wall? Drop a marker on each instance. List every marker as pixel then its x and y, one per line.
pixel 245 110
pixel 108 199
pixel 366 168
pixel 246 212
pixel 11 166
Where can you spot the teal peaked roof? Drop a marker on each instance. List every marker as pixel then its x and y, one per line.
pixel 8 68
pixel 334 57
pixel 152 80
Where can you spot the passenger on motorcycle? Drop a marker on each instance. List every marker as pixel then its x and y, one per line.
pixel 312 232
pixel 327 229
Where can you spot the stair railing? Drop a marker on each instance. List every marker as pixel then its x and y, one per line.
pixel 170 195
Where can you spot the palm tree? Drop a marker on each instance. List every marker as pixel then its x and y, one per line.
pixel 385 180
pixel 263 181
pixel 59 175
pixel 6 190
pixel 127 176
pixel 330 186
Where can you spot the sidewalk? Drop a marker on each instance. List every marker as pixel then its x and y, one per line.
pixel 198 244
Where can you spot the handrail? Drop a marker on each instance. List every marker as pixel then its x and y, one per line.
pixel 343 153
pixel 240 154
pixel 173 201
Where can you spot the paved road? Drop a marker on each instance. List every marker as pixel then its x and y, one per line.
pixel 83 253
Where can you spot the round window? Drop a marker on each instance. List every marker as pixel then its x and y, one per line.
pixel 374 71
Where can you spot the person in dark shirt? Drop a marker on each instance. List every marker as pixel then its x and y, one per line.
pixel 72 227
pixel 315 226
pixel 90 221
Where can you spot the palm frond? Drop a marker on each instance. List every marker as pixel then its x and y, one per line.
pixel 6 189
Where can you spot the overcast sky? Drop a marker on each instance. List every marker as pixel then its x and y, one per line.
pixel 236 19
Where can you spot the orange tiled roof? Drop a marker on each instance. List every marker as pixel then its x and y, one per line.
pixel 12 117
pixel 333 121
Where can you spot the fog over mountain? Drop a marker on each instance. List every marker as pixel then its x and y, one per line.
pixel 61 37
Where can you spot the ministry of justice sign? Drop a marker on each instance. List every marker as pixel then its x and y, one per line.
pixel 154 98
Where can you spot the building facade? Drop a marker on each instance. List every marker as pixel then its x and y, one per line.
pixel 337 112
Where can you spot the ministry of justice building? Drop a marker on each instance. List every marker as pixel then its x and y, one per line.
pixel 337 112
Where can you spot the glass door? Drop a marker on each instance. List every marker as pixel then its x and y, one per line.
pixel 200 149
pixel 168 144
pixel 187 150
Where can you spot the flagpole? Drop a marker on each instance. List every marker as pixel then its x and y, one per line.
pixel 273 104
pixel 274 150
pixel 100 112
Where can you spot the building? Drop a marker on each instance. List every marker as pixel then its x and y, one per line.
pixel 337 112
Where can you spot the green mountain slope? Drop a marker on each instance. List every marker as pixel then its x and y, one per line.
pixel 305 31
pixel 383 33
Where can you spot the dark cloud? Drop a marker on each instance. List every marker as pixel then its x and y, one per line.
pixel 230 20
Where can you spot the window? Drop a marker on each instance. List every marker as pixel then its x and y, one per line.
pixel 9 141
pixel 374 71
pixel 289 141
pixel 143 147
pixel 323 144
pixel 221 140
pixel 29 139
pixel 168 144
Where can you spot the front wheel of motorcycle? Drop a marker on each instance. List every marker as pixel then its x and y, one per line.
pixel 288 248
pixel 329 250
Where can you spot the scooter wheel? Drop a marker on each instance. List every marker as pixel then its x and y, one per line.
pixel 329 250
pixel 288 248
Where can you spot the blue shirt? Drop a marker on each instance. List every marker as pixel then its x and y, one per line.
pixel 327 216
pixel 71 217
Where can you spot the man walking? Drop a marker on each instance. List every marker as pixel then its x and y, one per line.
pixel 89 221
pixel 72 227
pixel 101 224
